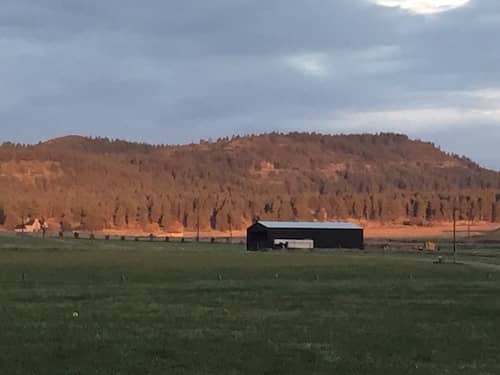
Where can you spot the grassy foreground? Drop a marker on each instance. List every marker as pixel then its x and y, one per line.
pixel 157 308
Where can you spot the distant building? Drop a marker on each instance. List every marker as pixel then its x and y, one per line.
pixel 31 226
pixel 265 235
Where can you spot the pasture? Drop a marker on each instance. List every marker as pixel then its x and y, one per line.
pixel 72 307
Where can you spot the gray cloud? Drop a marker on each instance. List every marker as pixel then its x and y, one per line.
pixel 178 71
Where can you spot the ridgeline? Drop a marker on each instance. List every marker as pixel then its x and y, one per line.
pixel 92 184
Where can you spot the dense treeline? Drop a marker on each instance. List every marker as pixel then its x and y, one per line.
pixel 100 183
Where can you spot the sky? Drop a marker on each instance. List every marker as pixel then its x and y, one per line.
pixel 179 71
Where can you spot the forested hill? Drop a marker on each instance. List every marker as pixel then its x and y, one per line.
pixel 98 183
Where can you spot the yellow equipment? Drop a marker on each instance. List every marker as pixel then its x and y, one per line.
pixel 430 247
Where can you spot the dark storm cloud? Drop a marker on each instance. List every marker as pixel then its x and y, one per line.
pixel 178 71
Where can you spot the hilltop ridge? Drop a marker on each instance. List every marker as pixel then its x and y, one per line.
pixel 96 183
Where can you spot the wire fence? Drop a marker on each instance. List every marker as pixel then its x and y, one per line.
pixel 136 238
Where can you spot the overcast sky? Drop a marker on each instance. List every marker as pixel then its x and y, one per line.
pixel 179 70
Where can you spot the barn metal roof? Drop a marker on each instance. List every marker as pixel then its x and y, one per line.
pixel 309 225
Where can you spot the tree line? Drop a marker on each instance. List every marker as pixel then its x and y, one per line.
pixel 92 184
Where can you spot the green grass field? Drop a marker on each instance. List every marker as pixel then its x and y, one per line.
pixel 172 308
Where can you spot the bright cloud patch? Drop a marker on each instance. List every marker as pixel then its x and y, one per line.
pixel 424 6
pixel 469 108
pixel 419 119
pixel 310 64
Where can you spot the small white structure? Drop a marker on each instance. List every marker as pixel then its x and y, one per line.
pixel 294 244
pixel 31 226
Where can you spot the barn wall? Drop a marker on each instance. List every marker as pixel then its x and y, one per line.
pixel 260 237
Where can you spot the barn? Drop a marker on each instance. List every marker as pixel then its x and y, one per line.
pixel 265 235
